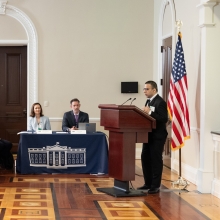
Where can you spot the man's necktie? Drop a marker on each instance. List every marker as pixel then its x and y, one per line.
pixel 147 102
pixel 76 117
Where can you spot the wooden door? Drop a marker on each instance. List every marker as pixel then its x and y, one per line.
pixel 166 66
pixel 166 49
pixel 13 93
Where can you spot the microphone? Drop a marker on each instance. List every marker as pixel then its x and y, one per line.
pixel 126 101
pixel 132 100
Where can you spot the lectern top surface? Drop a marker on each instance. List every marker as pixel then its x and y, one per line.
pixel 127 108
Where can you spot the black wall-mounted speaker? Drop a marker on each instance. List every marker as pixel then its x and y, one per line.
pixel 129 87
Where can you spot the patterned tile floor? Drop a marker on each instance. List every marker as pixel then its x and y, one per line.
pixel 75 197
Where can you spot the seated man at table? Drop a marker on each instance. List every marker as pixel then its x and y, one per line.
pixel 73 117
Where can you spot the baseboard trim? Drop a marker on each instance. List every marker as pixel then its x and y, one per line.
pixel 188 172
pixel 216 188
pixel 138 153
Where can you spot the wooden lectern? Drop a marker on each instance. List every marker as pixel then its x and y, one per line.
pixel 127 126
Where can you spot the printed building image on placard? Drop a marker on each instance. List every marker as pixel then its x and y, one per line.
pixel 57 157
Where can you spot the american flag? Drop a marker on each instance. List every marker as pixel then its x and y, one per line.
pixel 177 100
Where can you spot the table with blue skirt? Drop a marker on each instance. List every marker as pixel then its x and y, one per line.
pixel 62 153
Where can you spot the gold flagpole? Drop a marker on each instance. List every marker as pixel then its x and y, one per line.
pixel 180 181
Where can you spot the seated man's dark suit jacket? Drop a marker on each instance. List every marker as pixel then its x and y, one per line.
pixel 69 120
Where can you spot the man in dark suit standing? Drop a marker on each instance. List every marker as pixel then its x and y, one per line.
pixel 72 118
pixel 151 157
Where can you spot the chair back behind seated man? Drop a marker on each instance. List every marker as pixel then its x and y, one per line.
pixel 6 157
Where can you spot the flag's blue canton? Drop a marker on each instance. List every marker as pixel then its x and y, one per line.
pixel 179 69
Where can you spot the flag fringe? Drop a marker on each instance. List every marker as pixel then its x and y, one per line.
pixel 182 145
pixel 169 113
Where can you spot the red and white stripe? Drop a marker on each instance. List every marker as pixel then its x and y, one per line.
pixel 178 112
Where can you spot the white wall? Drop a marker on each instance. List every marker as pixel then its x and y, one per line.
pixel 191 45
pixel 187 12
pixel 167 22
pixel 201 45
pixel 86 48
pixel 11 29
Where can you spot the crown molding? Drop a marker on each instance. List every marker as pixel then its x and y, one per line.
pixel 3 6
pixel 206 13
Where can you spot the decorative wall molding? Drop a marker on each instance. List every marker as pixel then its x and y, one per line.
pixel 194 129
pixel 166 36
pixel 216 188
pixel 206 25
pixel 3 6
pixel 32 51
pixel 188 172
pixel 216 139
pixel 164 4
pixel 13 42
pixel 206 11
pixel 138 153
pixel 206 1
pixel 58 119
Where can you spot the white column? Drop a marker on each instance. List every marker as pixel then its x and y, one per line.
pixel 208 37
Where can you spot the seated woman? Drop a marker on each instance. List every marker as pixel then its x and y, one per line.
pixel 37 121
